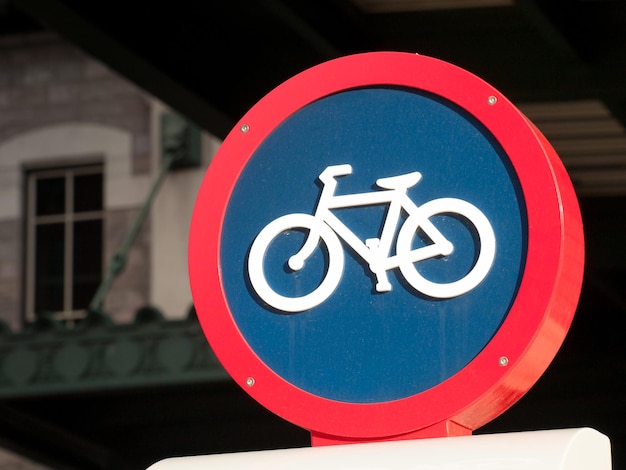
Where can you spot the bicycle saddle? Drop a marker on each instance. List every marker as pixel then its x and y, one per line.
pixel 401 181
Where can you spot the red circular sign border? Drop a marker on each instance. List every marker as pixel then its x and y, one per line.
pixel 537 322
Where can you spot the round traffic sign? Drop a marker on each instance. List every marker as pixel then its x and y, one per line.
pixel 385 243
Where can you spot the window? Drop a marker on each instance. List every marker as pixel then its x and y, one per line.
pixel 64 226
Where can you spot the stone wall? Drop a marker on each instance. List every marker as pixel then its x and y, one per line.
pixel 131 288
pixel 10 273
pixel 12 461
pixel 46 81
pixel 45 84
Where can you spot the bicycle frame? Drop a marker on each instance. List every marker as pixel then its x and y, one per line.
pixel 375 251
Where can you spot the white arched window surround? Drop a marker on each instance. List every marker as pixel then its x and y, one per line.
pixel 70 144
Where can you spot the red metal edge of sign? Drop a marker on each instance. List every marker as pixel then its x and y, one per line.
pixel 536 324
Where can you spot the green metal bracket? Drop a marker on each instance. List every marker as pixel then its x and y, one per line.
pixel 182 137
pixel 180 148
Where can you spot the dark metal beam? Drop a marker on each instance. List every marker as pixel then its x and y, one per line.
pixel 51 444
pixel 547 29
pixel 301 28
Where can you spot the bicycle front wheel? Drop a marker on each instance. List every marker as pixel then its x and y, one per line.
pixel 316 231
pixel 485 247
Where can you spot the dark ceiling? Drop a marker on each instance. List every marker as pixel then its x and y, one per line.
pixel 212 60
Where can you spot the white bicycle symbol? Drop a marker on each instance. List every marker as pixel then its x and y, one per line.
pixel 325 226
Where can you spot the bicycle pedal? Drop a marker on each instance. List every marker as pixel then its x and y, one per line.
pixel 372 242
pixel 383 287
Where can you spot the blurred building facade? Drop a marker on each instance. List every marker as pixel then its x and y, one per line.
pixel 80 151
pixel 80 148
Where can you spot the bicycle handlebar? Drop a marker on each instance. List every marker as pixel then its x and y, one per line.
pixel 329 174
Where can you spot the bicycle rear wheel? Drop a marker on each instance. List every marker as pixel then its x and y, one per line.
pixel 314 228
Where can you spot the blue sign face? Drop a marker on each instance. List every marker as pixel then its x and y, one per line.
pixel 410 237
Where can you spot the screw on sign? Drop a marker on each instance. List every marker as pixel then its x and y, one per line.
pixel 385 248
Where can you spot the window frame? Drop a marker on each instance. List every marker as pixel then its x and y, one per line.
pixel 31 221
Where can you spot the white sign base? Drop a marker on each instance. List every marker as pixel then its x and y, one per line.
pixel 566 449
